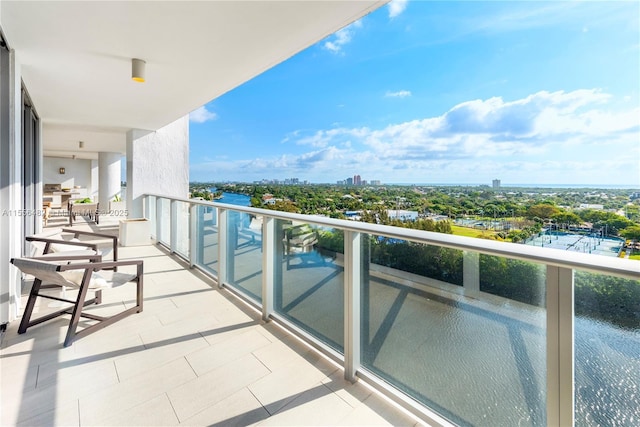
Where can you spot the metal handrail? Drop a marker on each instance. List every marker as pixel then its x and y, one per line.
pixel 549 256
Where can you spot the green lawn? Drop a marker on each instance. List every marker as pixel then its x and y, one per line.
pixel 470 232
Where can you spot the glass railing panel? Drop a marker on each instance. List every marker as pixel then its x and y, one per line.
pixel 607 350
pixel 244 233
pixel 475 358
pixel 443 266
pixel 206 235
pixel 164 216
pixel 182 229
pixel 513 279
pixel 151 215
pixel 309 284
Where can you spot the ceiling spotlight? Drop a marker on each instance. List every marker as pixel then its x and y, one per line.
pixel 137 70
pixel 81 144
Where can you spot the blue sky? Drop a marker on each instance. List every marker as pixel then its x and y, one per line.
pixel 442 92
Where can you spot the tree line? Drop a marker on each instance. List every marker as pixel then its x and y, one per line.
pixel 528 209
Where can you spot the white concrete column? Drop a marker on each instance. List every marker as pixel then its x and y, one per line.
pixel 157 163
pixel 109 178
pixel 92 190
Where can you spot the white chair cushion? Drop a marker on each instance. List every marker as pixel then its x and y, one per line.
pixel 99 280
pixel 61 247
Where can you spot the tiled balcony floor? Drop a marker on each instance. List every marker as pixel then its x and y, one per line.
pixel 194 356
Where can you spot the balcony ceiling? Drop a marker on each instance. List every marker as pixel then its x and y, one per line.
pixel 75 57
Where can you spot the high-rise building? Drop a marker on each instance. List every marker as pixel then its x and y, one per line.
pixel 357 180
pixel 496 184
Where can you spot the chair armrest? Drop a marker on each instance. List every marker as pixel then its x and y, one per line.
pixel 60 256
pixel 76 233
pixel 95 266
pixel 49 242
pixel 114 239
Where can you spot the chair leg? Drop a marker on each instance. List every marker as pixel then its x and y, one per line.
pixel 103 321
pixel 28 310
pixel 77 310
pixel 140 293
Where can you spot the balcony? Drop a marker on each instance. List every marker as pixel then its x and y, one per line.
pixel 479 332
pixel 454 330
pixel 196 355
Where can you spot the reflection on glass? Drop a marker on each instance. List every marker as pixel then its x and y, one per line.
pixel 151 215
pixel 434 262
pixel 513 279
pixel 182 229
pixel 309 279
pixel 206 255
pixel 245 260
pixel 477 359
pixel 607 350
pixel 165 221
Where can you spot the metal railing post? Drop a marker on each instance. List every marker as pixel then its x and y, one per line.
pixel 560 347
pixel 268 266
pixel 223 250
pixel 352 279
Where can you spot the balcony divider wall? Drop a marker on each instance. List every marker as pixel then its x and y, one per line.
pixel 456 330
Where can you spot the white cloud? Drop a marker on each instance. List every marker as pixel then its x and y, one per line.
pixel 519 16
pixel 290 136
pixel 397 94
pixel 323 138
pixel 396 7
pixel 493 128
pixel 202 115
pixel 342 38
pixel 547 137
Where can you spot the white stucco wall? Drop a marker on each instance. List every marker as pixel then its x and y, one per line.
pixel 77 172
pixel 93 191
pixel 157 163
pixel 109 165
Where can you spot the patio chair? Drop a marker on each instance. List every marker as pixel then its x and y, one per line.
pixel 299 241
pixel 46 212
pixel 87 210
pixel 69 271
pixel 53 240
pixel 252 232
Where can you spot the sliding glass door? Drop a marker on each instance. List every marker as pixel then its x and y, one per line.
pixel 31 166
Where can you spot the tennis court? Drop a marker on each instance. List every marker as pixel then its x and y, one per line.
pixel 591 244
